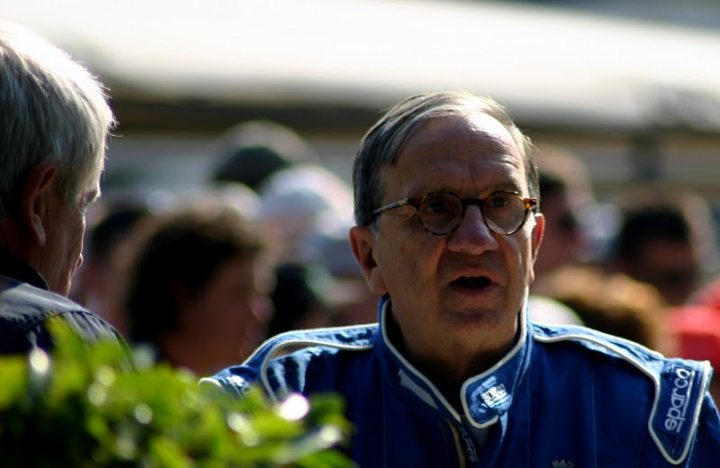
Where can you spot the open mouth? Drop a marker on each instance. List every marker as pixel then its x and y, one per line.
pixel 472 282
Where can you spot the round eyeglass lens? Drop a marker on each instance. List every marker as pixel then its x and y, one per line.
pixel 504 213
pixel 440 213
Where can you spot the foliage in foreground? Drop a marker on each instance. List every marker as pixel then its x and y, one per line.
pixel 84 407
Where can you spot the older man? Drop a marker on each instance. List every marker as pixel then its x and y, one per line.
pixel 448 228
pixel 54 121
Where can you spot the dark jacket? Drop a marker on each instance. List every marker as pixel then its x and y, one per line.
pixel 26 305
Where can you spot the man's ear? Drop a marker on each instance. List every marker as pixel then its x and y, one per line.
pixel 537 234
pixel 362 241
pixel 536 237
pixel 35 193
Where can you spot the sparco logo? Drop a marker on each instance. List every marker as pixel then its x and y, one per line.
pixel 675 416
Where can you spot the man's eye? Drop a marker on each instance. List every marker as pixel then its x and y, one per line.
pixel 437 205
pixel 499 200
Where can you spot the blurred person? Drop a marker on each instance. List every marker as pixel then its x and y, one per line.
pixel 310 210
pixel 351 302
pixel 300 298
pixel 665 238
pixel 301 202
pixel 236 194
pixel 611 303
pixel 565 194
pixel 54 123
pixel 696 333
pixel 453 374
pixel 303 293
pixel 548 310
pixel 197 286
pixel 708 294
pixel 99 285
pixel 307 295
pixel 305 206
pixel 250 152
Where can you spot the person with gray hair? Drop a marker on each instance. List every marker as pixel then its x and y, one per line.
pixel 454 374
pixel 54 122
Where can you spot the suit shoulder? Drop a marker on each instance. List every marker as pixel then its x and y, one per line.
pixel 680 386
pixel 594 342
pixel 285 357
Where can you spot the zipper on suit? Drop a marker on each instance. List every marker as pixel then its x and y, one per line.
pixel 459 448
pixel 465 445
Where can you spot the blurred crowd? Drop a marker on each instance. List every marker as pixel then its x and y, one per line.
pixel 202 278
pixel 262 248
pixel 642 266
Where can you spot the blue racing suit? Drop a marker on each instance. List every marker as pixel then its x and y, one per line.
pixel 563 396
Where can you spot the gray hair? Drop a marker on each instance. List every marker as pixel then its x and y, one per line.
pixel 382 144
pixel 51 110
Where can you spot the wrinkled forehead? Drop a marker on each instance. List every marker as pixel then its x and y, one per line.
pixel 489 125
pixel 472 124
pixel 478 133
pixel 453 147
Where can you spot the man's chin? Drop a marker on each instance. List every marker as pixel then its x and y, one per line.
pixel 479 323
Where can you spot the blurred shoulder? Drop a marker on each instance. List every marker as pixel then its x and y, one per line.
pixel 25 311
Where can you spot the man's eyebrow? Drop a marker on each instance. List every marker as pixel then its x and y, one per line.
pixel 443 188
pixel 507 187
pixel 502 187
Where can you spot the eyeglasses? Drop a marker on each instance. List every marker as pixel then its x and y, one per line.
pixel 441 213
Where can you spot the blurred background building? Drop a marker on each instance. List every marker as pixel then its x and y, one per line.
pixel 631 87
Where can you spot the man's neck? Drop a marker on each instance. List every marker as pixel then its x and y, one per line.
pixel 447 373
pixel 14 267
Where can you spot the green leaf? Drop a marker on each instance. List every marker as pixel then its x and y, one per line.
pixel 96 405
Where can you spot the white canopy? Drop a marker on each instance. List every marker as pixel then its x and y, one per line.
pixel 549 66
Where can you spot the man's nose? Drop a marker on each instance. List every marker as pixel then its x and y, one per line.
pixel 472 235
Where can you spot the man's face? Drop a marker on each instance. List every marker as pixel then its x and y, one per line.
pixel 65 228
pixel 458 294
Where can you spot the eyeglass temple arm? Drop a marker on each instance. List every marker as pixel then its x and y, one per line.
pixel 395 204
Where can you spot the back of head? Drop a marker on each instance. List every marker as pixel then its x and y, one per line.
pixel 111 227
pixel 51 111
pixel 252 151
pixel 647 216
pixel 299 297
pixel 302 202
pixel 562 170
pixel 666 239
pixel 382 144
pixel 566 196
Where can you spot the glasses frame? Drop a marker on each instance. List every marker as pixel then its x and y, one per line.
pixel 415 202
